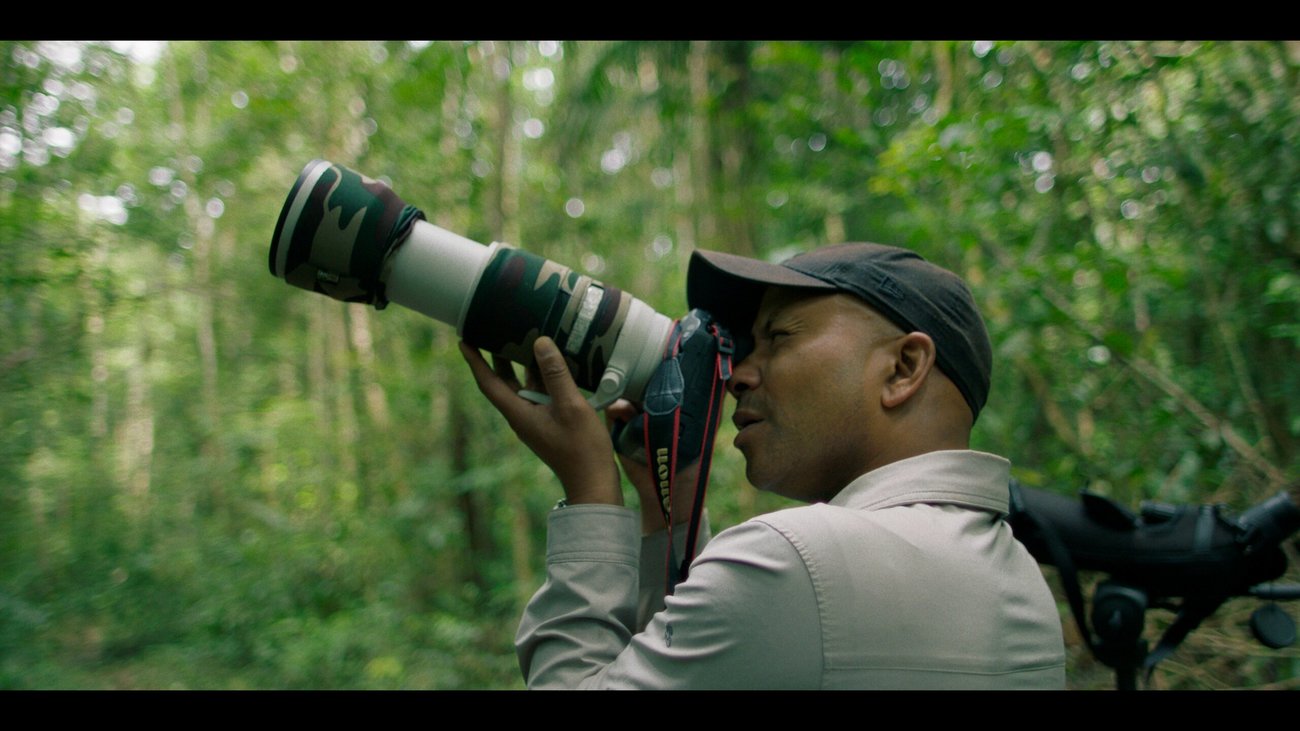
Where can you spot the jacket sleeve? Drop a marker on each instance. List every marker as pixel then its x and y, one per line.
pixel 746 617
pixel 654 567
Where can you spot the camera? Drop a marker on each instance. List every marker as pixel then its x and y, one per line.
pixel 352 238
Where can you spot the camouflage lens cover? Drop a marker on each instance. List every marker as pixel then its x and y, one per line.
pixel 335 230
pixel 522 296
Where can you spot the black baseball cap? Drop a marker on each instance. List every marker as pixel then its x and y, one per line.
pixel 911 292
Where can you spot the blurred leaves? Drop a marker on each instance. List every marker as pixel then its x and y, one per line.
pixel 215 481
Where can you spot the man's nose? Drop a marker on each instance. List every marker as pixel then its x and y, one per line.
pixel 744 376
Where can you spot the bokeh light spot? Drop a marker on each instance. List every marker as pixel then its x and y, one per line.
pixel 160 175
pixel 593 263
pixel 10 142
pixel 612 161
pixel 659 247
pixel 35 153
pixel 538 79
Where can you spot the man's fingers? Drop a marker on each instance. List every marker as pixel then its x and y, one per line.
pixel 622 410
pixel 502 396
pixel 532 381
pixel 477 365
pixel 505 370
pixel 566 433
pixel 555 372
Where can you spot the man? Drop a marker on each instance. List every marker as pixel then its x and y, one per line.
pixel 869 368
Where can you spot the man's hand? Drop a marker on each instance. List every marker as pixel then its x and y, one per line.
pixel 567 434
pixel 638 473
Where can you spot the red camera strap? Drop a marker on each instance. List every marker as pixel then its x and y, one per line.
pixel 662 436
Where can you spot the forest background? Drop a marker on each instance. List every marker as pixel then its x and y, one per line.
pixel 212 480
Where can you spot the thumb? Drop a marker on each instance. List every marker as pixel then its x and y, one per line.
pixel 622 410
pixel 555 371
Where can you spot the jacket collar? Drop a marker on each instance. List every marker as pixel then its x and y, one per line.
pixel 958 477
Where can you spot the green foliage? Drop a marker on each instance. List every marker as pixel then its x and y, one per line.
pixel 217 482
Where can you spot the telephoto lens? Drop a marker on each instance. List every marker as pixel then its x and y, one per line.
pixel 352 238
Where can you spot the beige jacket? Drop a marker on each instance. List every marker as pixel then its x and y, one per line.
pixel 908 578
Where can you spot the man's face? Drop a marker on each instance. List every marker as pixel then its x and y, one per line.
pixel 807 396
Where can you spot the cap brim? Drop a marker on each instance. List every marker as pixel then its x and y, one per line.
pixel 730 287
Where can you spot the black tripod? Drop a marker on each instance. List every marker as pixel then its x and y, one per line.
pixel 1186 559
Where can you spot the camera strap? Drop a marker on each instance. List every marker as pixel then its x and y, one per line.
pixel 684 403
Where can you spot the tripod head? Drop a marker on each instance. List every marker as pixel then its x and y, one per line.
pixel 1190 558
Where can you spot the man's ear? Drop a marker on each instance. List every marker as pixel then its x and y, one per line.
pixel 914 356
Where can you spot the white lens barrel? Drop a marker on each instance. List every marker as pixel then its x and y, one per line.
pixel 639 351
pixel 434 272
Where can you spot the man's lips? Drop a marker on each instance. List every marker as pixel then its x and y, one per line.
pixel 745 417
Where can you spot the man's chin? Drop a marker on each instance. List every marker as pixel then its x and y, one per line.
pixel 757 479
